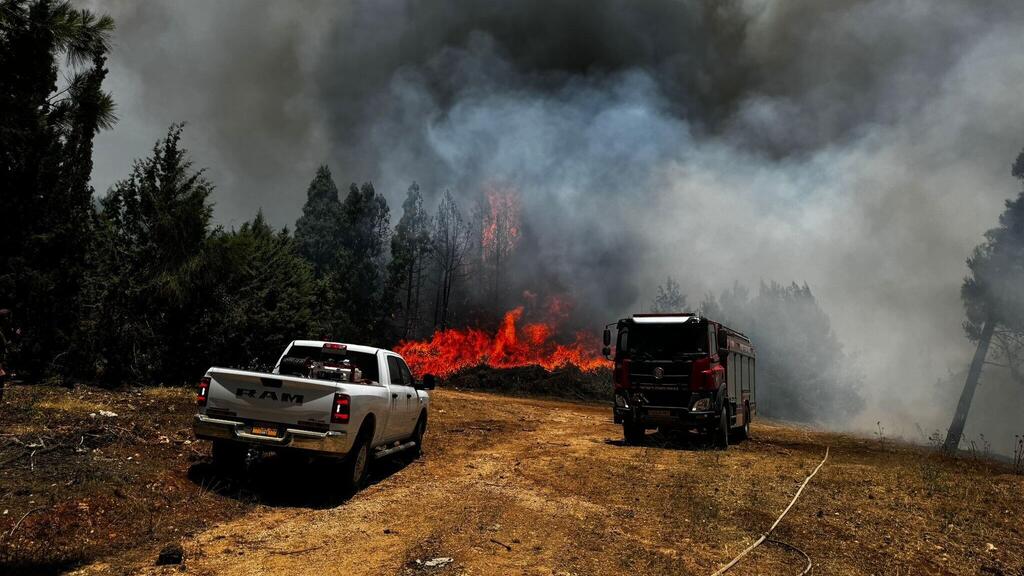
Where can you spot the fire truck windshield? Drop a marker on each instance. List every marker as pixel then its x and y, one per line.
pixel 664 341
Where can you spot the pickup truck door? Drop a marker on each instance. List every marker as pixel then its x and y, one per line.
pixel 415 402
pixel 402 398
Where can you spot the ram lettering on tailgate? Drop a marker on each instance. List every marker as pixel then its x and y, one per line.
pixel 268 395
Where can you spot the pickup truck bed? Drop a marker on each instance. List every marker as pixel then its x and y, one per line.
pixel 385 410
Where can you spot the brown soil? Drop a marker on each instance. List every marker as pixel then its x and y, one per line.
pixel 526 486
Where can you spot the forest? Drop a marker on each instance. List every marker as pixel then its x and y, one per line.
pixel 140 285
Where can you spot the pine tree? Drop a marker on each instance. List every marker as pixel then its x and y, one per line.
pixel 451 241
pixel 669 298
pixel 410 248
pixel 994 302
pixel 318 232
pixel 353 291
pixel 153 282
pixel 45 166
pixel 803 373
pixel 265 296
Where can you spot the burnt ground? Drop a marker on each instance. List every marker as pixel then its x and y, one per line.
pixel 507 486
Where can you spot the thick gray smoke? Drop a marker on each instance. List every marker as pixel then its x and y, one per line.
pixel 862 147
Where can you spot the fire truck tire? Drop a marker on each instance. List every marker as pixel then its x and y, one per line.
pixel 633 433
pixel 743 432
pixel 228 456
pixel 721 432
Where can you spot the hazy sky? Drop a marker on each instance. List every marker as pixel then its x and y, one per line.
pixel 862 147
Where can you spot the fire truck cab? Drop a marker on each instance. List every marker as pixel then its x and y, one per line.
pixel 682 371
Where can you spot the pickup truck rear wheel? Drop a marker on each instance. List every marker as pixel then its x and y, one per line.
pixel 228 456
pixel 356 466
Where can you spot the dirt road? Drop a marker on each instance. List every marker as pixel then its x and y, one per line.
pixel 522 486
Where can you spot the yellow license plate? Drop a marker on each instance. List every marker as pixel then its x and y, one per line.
pixel 265 431
pixel 659 413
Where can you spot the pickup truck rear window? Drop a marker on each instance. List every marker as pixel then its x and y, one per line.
pixel 367 363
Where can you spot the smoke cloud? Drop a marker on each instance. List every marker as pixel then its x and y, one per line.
pixel 859 146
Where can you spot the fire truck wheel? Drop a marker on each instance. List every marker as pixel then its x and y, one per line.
pixel 744 431
pixel 721 432
pixel 633 433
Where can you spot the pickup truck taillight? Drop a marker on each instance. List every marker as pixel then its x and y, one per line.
pixel 203 392
pixel 341 411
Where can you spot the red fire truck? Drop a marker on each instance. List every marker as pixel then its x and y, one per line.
pixel 682 371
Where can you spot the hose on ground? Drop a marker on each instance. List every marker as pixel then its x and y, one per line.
pixel 807 569
pixel 765 536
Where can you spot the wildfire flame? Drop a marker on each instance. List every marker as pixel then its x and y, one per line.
pixel 449 351
pixel 500 226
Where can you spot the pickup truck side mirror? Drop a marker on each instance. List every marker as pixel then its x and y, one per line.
pixel 428 382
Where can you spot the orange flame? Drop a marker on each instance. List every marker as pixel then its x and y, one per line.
pixel 500 232
pixel 449 351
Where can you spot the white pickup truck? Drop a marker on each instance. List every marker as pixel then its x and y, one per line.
pixel 322 398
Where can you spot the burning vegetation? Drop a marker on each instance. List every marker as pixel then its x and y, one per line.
pixel 513 345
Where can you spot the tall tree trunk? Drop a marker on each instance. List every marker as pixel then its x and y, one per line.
pixel 956 428
pixel 416 299
pixel 408 303
pixel 446 297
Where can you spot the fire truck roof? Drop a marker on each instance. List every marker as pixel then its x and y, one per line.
pixel 664 318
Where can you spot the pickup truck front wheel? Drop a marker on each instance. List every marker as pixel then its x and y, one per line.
pixel 417 437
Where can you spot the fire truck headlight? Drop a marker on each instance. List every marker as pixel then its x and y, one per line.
pixel 620 401
pixel 701 405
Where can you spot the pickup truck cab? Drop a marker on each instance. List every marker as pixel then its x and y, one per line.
pixel 332 399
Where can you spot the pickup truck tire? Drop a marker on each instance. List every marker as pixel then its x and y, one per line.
pixel 356 465
pixel 228 456
pixel 417 437
pixel 720 434
pixel 633 432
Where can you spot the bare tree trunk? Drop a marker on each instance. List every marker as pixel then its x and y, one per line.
pixel 956 428
pixel 437 302
pixel 446 301
pixel 416 298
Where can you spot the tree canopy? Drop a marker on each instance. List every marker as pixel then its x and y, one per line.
pixel 45 166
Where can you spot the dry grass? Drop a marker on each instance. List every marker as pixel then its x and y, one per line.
pixel 524 486
pixel 85 486
pixel 68 403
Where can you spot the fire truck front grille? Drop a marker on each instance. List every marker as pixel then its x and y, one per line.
pixel 671 389
pixel 674 375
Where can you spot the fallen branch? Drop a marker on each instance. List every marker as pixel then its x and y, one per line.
pixel 28 452
pixel 22 519
pixel 506 546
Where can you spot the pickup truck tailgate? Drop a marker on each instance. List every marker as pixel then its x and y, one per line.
pixel 271 397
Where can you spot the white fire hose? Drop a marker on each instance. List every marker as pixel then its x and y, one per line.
pixel 765 536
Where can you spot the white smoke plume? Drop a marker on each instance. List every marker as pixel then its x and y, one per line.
pixel 862 147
